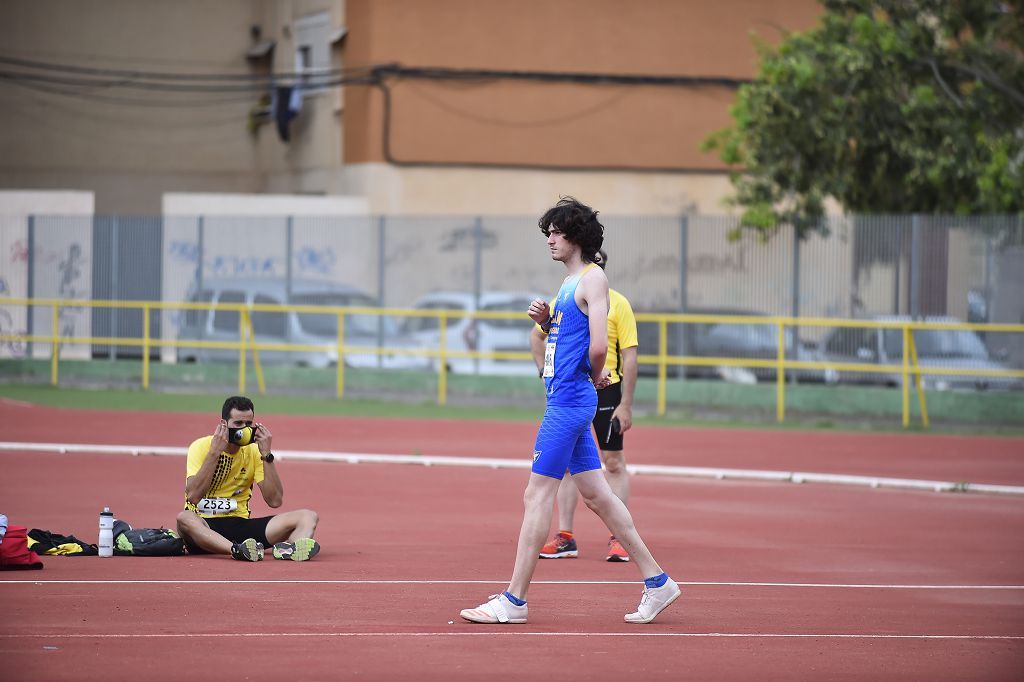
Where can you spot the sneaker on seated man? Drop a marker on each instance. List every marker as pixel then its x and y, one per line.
pixel 220 474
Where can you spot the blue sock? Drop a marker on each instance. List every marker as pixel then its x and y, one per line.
pixel 656 581
pixel 514 599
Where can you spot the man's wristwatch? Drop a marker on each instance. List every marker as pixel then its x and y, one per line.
pixel 268 458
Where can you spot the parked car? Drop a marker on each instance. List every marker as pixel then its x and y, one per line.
pixel 305 328
pixel 743 340
pixel 936 348
pixel 477 334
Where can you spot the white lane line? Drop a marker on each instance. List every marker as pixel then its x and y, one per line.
pixel 525 463
pixel 510 633
pixel 630 583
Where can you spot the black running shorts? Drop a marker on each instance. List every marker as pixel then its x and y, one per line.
pixel 607 400
pixel 236 529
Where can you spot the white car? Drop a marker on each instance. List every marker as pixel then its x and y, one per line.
pixel 302 328
pixel 468 334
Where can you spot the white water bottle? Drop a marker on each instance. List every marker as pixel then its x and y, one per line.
pixel 106 532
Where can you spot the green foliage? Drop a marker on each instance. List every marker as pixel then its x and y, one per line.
pixel 887 106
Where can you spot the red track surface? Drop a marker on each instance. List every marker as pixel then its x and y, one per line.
pixel 411 523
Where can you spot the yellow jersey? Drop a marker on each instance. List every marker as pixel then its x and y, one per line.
pixel 621 332
pixel 231 487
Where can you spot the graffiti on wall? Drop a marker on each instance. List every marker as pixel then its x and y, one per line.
pixel 69 271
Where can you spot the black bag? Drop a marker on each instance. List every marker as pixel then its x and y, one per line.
pixel 148 542
pixel 44 542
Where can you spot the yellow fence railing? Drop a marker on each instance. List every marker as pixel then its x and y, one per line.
pixel 909 370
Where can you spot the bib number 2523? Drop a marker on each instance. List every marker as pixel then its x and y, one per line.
pixel 216 505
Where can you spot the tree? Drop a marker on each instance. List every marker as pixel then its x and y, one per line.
pixel 887 106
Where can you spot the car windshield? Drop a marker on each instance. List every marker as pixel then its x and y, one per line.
pixel 944 343
pixel 327 325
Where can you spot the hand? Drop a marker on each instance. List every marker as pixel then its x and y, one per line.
pixel 220 438
pixel 263 438
pixel 625 416
pixel 539 311
pixel 604 380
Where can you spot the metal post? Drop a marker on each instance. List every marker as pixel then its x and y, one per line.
pixel 381 265
pixel 794 307
pixel 200 234
pixel 915 266
pixel 200 247
pixel 794 293
pixel 31 288
pixel 684 256
pixel 897 274
pixel 115 242
pixel 684 292
pixel 289 236
pixel 478 240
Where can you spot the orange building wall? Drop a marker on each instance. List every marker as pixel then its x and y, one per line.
pixel 557 125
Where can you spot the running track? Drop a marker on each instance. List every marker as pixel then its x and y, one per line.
pixel 782 581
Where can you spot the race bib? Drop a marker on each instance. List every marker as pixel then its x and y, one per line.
pixel 216 505
pixel 549 360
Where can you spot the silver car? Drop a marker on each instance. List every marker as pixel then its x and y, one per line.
pixel 936 349
pixel 303 328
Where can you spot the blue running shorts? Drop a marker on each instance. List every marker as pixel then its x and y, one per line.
pixel 564 442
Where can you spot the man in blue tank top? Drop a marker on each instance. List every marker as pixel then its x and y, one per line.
pixel 574 357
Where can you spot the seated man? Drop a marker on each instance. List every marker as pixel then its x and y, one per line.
pixel 220 474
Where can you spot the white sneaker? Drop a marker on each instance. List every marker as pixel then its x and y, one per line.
pixel 498 610
pixel 654 601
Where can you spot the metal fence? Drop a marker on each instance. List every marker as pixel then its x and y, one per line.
pixel 967 268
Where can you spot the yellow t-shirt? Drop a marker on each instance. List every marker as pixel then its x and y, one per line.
pixel 232 482
pixel 621 332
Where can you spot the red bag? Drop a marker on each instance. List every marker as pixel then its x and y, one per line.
pixel 14 552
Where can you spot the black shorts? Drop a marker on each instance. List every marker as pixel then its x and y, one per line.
pixel 607 400
pixel 236 529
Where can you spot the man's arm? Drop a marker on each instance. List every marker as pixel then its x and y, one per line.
pixel 197 484
pixel 537 340
pixel 271 487
pixel 595 294
pixel 624 411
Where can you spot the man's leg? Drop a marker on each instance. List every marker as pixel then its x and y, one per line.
pixel 599 497
pixel 537 502
pixel 618 480
pixel 194 530
pixel 562 545
pixel 292 526
pixel 291 535
pixel 568 497
pixel 660 591
pixel 614 462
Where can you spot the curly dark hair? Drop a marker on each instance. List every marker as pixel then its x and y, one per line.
pixel 578 222
pixel 236 402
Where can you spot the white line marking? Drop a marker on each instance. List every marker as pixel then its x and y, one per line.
pixel 525 463
pixel 506 633
pixel 630 583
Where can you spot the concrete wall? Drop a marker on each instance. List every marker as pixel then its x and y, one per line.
pixel 62 265
pixel 130 146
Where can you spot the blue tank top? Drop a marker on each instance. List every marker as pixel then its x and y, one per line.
pixel 570 334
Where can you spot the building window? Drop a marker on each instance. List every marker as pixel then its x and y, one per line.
pixel 313 50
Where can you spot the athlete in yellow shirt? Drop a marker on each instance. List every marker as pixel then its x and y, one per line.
pixel 614 409
pixel 220 474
